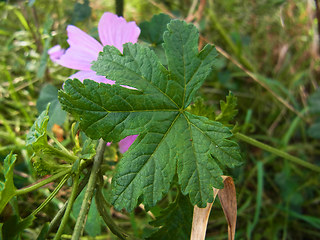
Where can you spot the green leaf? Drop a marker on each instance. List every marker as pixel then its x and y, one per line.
pixel 314 102
pixel 152 32
pixel 228 109
pixel 81 11
pixel 187 66
pixel 7 188
pixel 93 223
pixel 45 155
pixel 314 130
pixel 43 233
pixel 37 136
pixel 13 227
pixel 314 106
pixel 49 94
pixel 89 149
pixel 201 109
pixel 170 138
pixel 175 221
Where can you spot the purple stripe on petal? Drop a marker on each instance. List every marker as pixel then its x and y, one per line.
pixel 125 143
pixel 116 31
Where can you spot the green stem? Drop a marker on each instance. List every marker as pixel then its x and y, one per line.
pixel 101 203
pixel 63 149
pixel 64 154
pixel 69 207
pixel 260 174
pixel 277 152
pixel 59 215
pixel 52 195
pixel 119 7
pixel 43 182
pixel 81 220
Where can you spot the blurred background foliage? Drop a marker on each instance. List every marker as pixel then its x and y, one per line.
pixel 269 60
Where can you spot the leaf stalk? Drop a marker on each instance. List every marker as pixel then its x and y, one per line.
pixel 101 203
pixel 52 195
pixel 81 220
pixel 43 182
pixel 277 152
pixel 69 207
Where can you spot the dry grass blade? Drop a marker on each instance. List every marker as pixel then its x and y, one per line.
pixel 255 78
pixel 200 219
pixel 227 197
pixel 162 8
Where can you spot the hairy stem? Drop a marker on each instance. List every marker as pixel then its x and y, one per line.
pixel 81 220
pixel 52 195
pixel 56 220
pixel 69 207
pixel 43 182
pixel 277 152
pixel 63 149
pixel 101 206
pixel 64 154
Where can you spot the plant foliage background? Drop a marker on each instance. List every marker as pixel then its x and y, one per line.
pixel 275 41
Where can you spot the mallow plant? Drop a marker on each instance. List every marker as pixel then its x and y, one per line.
pixel 125 93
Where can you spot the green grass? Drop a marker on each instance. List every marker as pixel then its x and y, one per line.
pixel 274 40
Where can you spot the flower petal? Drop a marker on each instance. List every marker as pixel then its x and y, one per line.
pixel 125 143
pixel 82 51
pixel 55 53
pixel 116 31
pixel 81 75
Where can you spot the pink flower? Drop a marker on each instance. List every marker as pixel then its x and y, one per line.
pixel 84 49
pixel 56 52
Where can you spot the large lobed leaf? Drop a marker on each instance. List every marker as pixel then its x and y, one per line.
pixel 170 140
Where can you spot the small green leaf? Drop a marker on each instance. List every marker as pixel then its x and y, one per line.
pixel 37 136
pixel 89 149
pixel 43 233
pixel 175 221
pixel 314 102
pixel 45 164
pixel 49 94
pixel 314 105
pixel 314 130
pixel 201 109
pixel 170 138
pixel 81 11
pixel 7 188
pixel 45 155
pixel 228 109
pixel 152 32
pixel 13 227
